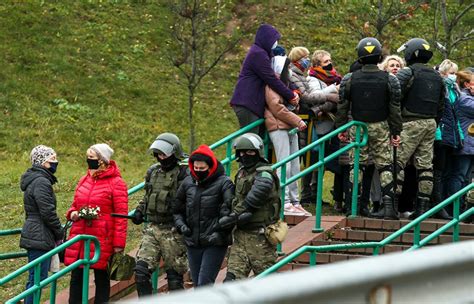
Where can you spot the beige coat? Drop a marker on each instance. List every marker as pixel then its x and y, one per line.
pixel 277 116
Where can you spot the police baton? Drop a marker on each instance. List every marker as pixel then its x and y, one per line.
pixel 122 216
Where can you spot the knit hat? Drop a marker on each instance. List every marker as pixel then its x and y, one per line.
pixel 41 154
pixel 297 53
pixel 104 152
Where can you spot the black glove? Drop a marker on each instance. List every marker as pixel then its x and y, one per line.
pixel 185 230
pixel 228 221
pixel 138 217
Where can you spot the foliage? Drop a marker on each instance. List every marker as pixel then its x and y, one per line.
pixel 75 73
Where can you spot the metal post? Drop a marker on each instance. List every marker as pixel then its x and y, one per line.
pixel 416 235
pixel 319 196
pixel 282 196
pixel 154 280
pixel 312 258
pixel 456 217
pixel 266 144
pixel 355 183
pixel 52 295
pixel 228 154
pixel 85 277
pixel 37 278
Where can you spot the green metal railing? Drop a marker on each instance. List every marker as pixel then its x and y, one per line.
pixel 35 290
pixel 414 225
pixel 360 130
pixel 12 255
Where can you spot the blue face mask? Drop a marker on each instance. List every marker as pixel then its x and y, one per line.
pixel 305 62
pixel 452 77
pixel 53 167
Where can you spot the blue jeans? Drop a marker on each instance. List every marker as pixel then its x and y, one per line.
pixel 205 263
pixel 33 255
pixel 460 172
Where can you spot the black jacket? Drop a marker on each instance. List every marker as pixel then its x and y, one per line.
pixel 200 205
pixel 42 227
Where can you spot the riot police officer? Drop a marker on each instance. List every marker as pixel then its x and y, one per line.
pixel 422 105
pixel 373 96
pixel 257 196
pixel 160 240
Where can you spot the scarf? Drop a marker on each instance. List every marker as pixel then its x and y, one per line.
pixel 328 77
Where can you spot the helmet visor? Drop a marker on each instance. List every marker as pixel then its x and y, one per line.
pixel 163 146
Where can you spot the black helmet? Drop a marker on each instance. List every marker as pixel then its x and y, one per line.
pixel 416 50
pixel 369 47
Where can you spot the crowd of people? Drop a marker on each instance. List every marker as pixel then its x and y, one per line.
pixel 196 215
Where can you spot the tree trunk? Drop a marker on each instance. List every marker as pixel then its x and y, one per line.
pixel 192 136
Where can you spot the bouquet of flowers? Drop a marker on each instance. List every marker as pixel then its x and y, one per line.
pixel 89 213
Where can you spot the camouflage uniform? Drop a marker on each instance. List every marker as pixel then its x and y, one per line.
pixel 423 94
pixel 256 187
pixel 379 128
pixel 160 239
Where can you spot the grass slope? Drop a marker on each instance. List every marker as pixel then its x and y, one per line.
pixel 75 73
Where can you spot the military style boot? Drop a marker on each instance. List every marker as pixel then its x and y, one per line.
pixel 175 280
pixel 389 208
pixel 421 206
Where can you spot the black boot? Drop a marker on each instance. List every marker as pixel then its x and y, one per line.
pixel 229 277
pixel 375 207
pixel 389 208
pixel 364 209
pixel 175 280
pixel 421 206
pixel 437 197
pixel 143 279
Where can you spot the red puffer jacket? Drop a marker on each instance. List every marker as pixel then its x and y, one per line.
pixel 108 191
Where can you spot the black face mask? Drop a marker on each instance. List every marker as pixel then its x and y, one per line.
pixel 328 67
pixel 167 163
pixel 201 175
pixel 93 164
pixel 53 167
pixel 248 161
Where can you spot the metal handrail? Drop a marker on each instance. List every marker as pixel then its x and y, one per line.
pixel 415 225
pixel 38 285
pixel 360 129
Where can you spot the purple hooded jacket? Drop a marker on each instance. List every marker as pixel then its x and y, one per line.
pixel 257 72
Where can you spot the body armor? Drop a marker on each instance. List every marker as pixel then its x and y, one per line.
pixel 369 96
pixel 270 211
pixel 424 93
pixel 161 187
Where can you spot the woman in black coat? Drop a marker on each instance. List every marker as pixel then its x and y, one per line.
pixel 42 228
pixel 203 198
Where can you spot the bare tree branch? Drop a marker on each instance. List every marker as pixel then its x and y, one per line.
pixel 458 17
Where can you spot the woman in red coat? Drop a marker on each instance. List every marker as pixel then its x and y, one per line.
pixel 102 189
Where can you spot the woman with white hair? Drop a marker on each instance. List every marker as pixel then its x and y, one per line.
pixel 99 193
pixel 42 228
pixel 449 136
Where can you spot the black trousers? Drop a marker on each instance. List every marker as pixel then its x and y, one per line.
pixel 205 263
pixel 102 286
pixel 246 117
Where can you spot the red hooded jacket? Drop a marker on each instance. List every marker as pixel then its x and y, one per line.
pixel 108 191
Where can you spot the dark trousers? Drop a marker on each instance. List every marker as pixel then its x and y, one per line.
pixel 407 198
pixel 246 117
pixel 102 286
pixel 33 255
pixel 205 263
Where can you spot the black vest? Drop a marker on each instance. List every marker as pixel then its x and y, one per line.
pixel 369 96
pixel 424 93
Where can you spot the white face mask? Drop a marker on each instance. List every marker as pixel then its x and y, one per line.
pixel 275 45
pixel 452 77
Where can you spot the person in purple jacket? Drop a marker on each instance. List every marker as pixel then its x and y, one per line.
pixel 248 100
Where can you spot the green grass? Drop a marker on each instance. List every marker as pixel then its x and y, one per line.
pixel 75 73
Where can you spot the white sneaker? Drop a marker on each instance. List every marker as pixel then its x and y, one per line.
pixel 291 210
pixel 300 208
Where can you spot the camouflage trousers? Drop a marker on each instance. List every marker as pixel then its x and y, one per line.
pixel 250 251
pixel 417 140
pixel 159 241
pixel 379 149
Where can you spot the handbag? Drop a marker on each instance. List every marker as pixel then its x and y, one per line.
pixel 66 228
pixel 120 267
pixel 276 233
